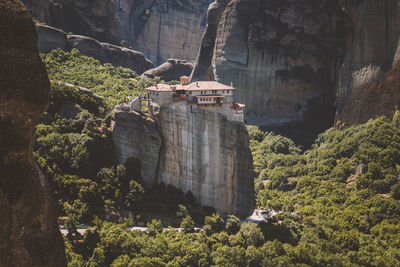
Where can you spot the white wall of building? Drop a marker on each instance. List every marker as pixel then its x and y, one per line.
pixel 211 92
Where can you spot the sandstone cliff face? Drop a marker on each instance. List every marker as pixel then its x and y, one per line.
pixel 282 56
pixel 163 29
pixel 369 80
pixel 138 136
pixel 201 151
pixel 51 38
pixel 208 155
pixel 29 235
pixel 93 18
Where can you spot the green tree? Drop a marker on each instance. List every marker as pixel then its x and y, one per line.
pixel 154 227
pixel 213 224
pixel 187 224
pixel 97 259
pixel 135 194
pixel 395 191
pixel 252 234
pixel 121 261
pixel 182 211
pixel 232 225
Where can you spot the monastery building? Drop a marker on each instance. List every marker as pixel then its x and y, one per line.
pixel 203 94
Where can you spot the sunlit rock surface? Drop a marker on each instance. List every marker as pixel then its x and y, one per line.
pixel 201 151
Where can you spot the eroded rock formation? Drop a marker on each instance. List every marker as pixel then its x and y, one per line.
pixel 171 70
pixel 93 18
pixel 163 29
pixel 370 77
pixel 282 56
pixel 138 136
pixel 29 235
pixel 51 38
pixel 200 151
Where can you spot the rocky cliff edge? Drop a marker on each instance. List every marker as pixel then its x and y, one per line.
pixel 192 149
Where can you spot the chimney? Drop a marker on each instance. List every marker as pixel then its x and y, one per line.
pixel 231 84
pixel 197 84
pixel 155 85
pixel 184 80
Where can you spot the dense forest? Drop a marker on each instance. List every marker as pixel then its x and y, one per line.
pixel 337 202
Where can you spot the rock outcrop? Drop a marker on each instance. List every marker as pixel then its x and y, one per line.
pixel 162 29
pixel 200 151
pixel 171 70
pixel 137 135
pixel 282 56
pixel 29 235
pixel 51 38
pixel 370 77
pixel 94 18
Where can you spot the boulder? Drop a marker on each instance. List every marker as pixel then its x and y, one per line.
pixel 50 38
pixel 361 169
pixel 126 57
pixel 87 46
pixel 171 70
pixel 108 53
pixel 29 234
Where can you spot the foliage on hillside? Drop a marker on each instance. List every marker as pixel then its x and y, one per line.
pixel 223 244
pixel 336 221
pixel 74 147
pixel 112 83
pixel 324 219
pixel 327 213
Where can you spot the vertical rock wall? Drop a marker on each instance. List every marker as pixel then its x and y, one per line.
pixel 208 155
pixel 93 18
pixel 283 56
pixel 138 136
pixel 29 234
pixel 200 151
pixel 163 29
pixel 368 86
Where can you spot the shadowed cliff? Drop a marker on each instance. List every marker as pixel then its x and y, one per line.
pixel 283 57
pixel 29 235
pixel 370 77
pixel 161 29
